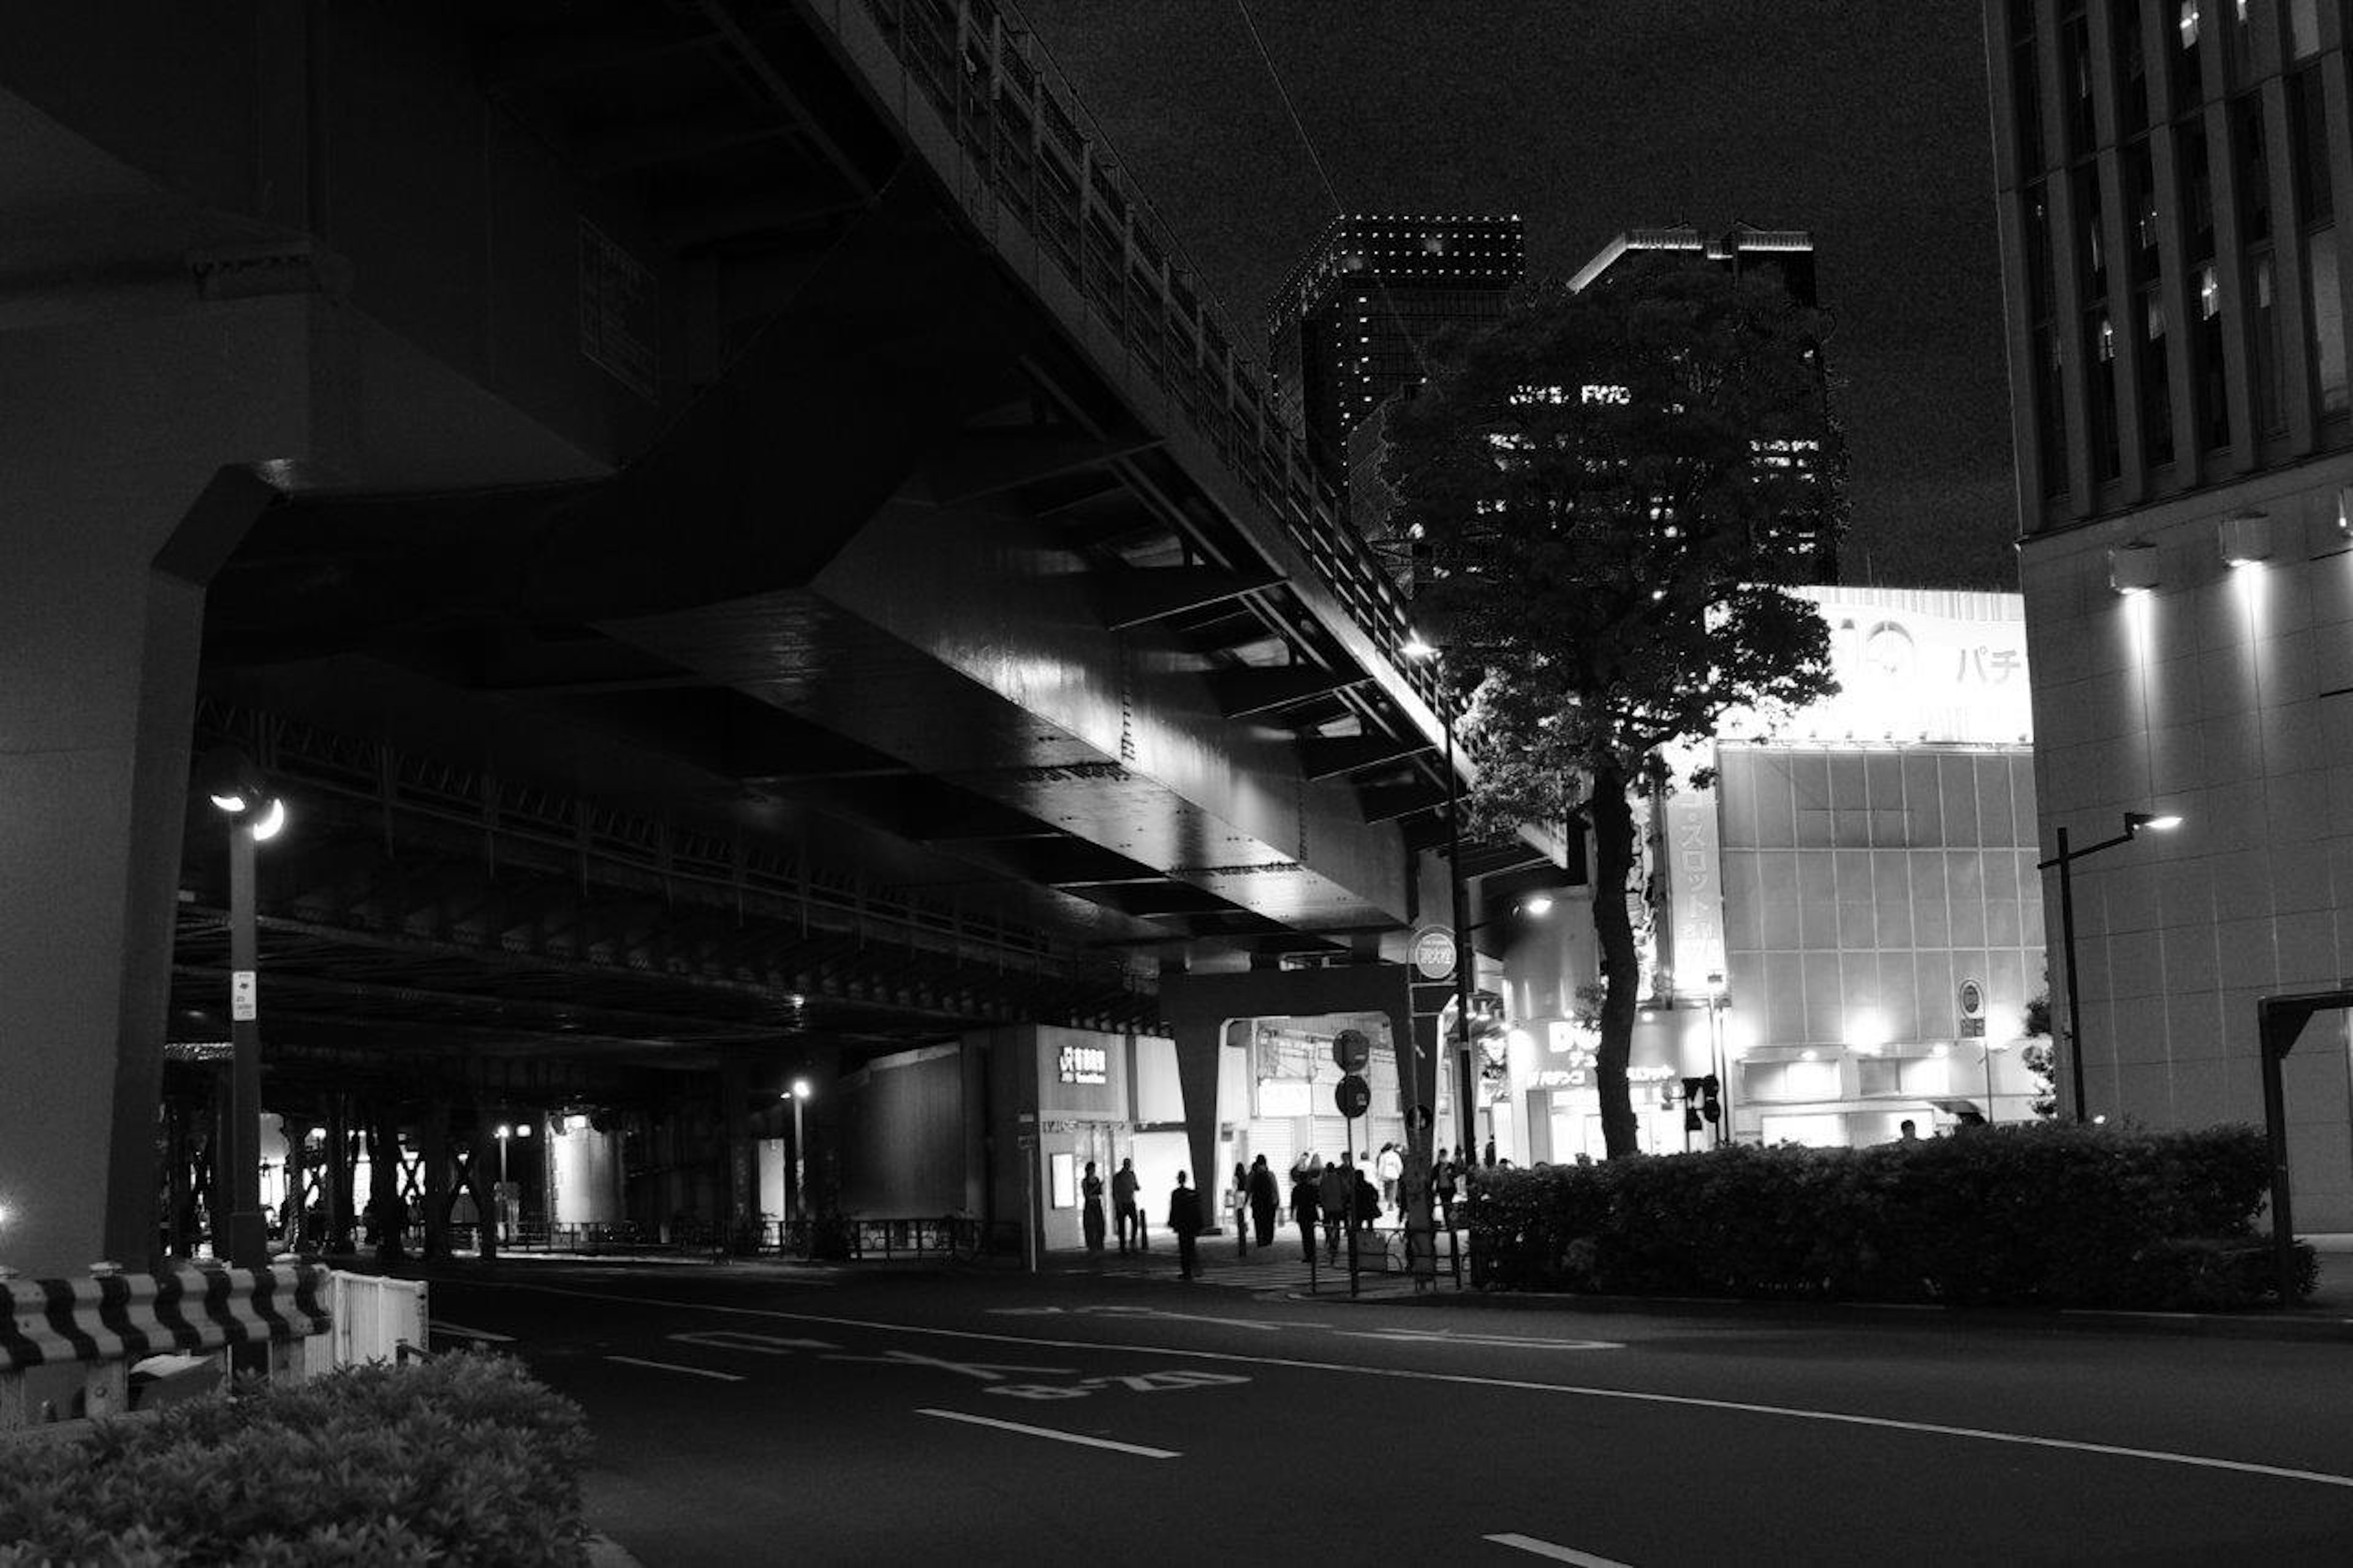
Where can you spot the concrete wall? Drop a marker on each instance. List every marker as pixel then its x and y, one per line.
pixel 2225 695
pixel 902 1135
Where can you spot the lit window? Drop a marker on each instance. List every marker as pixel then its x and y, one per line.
pixel 2107 339
pixel 2210 294
pixel 2190 23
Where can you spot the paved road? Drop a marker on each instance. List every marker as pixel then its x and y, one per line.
pixel 753 1416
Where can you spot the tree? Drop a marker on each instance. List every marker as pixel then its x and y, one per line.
pixel 2041 1060
pixel 1610 486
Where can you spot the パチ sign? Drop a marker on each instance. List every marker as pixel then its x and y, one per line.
pixel 1084 1064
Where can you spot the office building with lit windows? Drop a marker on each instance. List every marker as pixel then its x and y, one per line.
pixel 2170 177
pixel 1355 320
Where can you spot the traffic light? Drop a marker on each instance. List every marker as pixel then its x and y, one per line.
pixel 1710 1106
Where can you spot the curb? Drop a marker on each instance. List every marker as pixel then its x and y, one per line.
pixel 2321 1327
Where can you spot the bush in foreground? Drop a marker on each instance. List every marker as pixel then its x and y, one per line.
pixel 460 1460
pixel 2053 1214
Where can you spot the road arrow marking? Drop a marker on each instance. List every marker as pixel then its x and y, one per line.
pixel 1530 1544
pixel 1136 1450
pixel 673 1366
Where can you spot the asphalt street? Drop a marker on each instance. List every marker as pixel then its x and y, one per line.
pixel 768 1415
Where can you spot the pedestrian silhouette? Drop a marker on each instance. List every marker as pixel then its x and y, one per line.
pixel 1304 1210
pixel 1124 1210
pixel 1092 1218
pixel 1185 1222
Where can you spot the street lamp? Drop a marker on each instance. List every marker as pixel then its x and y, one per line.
pixel 1466 1084
pixel 506 1203
pixel 800 1167
pixel 2066 857
pixel 236 787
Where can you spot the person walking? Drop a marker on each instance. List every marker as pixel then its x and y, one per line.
pixel 1390 1167
pixel 1445 1181
pixel 1185 1221
pixel 1092 1218
pixel 1124 1210
pixel 1305 1209
pixel 1332 1192
pixel 1368 1203
pixel 1238 1196
pixel 1265 1200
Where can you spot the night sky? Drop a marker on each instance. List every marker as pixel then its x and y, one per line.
pixel 1863 120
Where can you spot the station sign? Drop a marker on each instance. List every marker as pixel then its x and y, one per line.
pixel 1434 953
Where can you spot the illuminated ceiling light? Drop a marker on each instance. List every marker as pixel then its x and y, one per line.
pixel 1810 1055
pixel 273 820
pixel 2345 510
pixel 2132 568
pixel 800 1088
pixel 2245 537
pixel 1536 904
pixel 234 804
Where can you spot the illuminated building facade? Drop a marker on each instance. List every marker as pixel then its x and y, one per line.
pixel 1355 318
pixel 2178 289
pixel 1846 929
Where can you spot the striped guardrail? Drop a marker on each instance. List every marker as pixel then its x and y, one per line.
pixel 102 1321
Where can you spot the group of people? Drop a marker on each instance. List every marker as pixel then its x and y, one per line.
pixel 1337 1196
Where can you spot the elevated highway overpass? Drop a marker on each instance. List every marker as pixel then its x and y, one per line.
pixel 742 537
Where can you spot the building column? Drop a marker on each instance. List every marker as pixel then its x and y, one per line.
pixel 127 457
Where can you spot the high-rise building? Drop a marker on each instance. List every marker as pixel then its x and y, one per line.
pixel 1355 320
pixel 2178 289
pixel 1785 254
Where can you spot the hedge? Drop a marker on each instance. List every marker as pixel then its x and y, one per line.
pixel 463 1459
pixel 2046 1214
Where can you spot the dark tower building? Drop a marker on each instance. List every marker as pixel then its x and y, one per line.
pixel 1786 256
pixel 1351 324
pixel 2169 177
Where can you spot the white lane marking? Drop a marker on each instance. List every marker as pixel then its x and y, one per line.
pixel 1636 1397
pixel 673 1366
pixel 459 1332
pixel 1488 1342
pixel 1058 1437
pixel 1530 1544
pixel 765 1344
pixel 986 1372
pixel 1135 1312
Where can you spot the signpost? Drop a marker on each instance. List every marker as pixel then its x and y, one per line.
pixel 1354 1096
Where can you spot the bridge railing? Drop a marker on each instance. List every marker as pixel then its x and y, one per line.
pixel 987 76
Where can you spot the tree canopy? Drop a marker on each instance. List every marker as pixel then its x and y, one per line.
pixel 1612 490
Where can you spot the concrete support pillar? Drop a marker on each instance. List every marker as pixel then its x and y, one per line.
pixel 735 1141
pixel 384 1202
pixel 128 459
pixel 433 1149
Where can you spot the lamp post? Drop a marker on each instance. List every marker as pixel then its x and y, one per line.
pixel 800 1165
pixel 1466 1082
pixel 2066 857
pixel 234 785
pixel 506 1203
pixel 1718 997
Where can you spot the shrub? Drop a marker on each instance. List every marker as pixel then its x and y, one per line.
pixel 463 1459
pixel 2055 1215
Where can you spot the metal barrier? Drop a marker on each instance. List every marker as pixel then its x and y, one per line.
pixel 376 1318
pixel 66 1345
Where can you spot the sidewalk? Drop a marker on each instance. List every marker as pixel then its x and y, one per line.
pixel 2327 1315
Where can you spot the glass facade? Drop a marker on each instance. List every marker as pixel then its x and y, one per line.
pixel 1872 899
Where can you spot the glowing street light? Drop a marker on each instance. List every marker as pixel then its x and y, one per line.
pixel 800 1094
pixel 2134 821
pixel 236 787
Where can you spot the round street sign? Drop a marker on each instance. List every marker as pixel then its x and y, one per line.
pixel 1433 952
pixel 1351 1050
pixel 1353 1095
